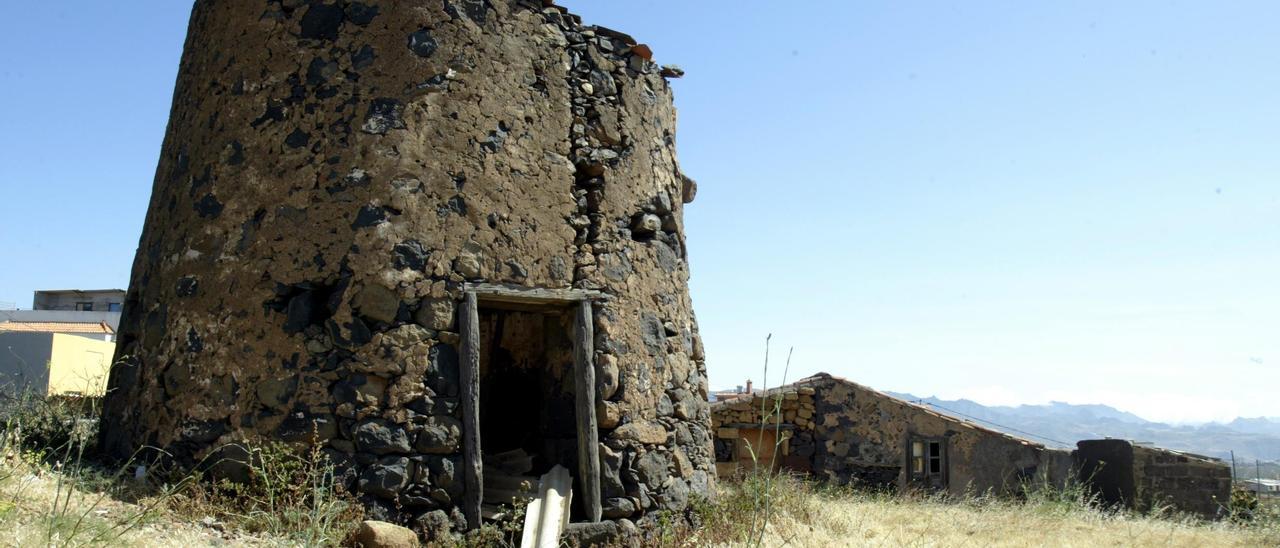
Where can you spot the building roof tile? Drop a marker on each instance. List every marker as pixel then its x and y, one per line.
pixel 56 327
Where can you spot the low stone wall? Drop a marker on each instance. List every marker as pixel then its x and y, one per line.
pixel 748 425
pixel 1146 478
pixel 1189 483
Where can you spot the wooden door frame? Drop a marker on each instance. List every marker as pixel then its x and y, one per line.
pixel 523 298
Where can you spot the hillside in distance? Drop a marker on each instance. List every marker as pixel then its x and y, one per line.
pixel 1059 424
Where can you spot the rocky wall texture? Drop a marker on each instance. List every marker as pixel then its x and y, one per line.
pixel 1145 478
pixel 1187 483
pixel 737 423
pixel 334 172
pixel 859 436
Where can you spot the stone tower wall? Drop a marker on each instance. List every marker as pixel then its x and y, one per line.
pixel 332 175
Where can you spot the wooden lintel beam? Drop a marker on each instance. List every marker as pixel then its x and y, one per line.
pixel 500 293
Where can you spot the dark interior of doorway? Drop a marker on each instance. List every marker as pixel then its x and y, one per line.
pixel 527 391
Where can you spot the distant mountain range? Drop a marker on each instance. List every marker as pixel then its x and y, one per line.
pixel 1059 424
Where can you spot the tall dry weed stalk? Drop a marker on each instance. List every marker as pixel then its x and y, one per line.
pixel 761 483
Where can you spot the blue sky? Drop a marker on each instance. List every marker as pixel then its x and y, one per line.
pixel 1013 202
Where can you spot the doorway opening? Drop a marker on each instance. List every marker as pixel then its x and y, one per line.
pixel 527 397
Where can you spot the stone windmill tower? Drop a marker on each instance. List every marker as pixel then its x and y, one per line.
pixel 419 233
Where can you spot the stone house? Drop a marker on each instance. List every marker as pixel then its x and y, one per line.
pixel 1138 476
pixel 428 236
pixel 846 433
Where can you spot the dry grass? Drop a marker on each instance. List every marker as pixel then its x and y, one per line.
pixel 803 515
pixel 54 493
pixel 808 516
pixel 51 495
pixel 44 504
pixel 38 507
pixel 880 523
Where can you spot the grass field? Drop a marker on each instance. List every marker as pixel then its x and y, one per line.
pixel 52 494
pixel 40 508
pixel 804 515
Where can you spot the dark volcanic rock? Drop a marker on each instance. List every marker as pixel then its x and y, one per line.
pixel 386 478
pixel 321 21
pixel 381 437
pixel 337 174
pixel 422 44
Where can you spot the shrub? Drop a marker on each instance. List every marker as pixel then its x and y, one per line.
pixel 289 494
pixel 48 427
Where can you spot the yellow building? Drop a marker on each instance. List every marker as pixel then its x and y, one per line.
pixel 55 358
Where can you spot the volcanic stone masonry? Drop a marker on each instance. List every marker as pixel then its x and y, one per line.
pixel 846 433
pixel 342 182
pixel 1124 473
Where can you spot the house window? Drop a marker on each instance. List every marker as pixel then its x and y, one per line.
pixel 726 450
pixel 113 307
pixel 928 462
pixel 85 306
pixel 935 457
pixel 917 457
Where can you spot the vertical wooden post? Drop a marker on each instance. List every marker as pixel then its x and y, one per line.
pixel 473 467
pixel 1257 464
pixel 588 442
pixel 1233 468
